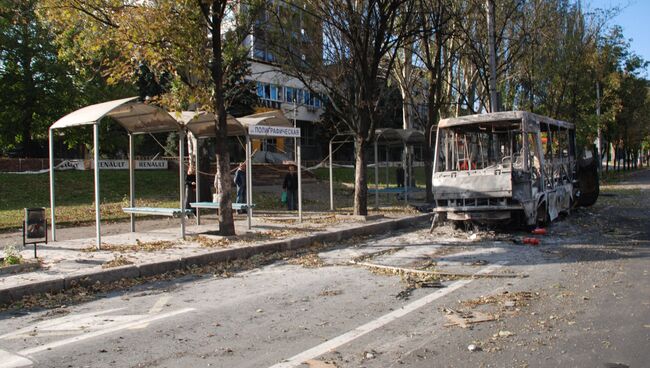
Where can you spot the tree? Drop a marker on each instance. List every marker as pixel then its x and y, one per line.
pixel 186 39
pixel 35 87
pixel 350 67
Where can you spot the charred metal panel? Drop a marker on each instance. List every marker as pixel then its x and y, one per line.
pixel 489 183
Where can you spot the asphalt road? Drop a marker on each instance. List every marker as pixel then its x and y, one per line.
pixel 585 302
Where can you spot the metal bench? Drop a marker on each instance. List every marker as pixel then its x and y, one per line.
pixel 215 205
pixel 158 211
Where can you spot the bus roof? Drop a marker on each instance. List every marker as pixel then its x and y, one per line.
pixel 503 116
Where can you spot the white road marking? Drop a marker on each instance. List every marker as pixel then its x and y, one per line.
pixel 158 306
pixel 9 360
pixel 63 325
pixel 334 343
pixel 94 334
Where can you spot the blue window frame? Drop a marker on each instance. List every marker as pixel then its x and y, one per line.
pixel 289 94
pixel 274 92
pixel 260 89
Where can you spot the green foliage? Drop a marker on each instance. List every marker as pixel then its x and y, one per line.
pixel 12 256
pixel 35 86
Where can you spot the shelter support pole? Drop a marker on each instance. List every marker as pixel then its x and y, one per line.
pixel 197 174
pixel 181 175
pixel 52 202
pixel 376 176
pixel 331 181
pixel 299 159
pixel 406 176
pixel 249 182
pixel 96 161
pixel 131 180
pixel 387 170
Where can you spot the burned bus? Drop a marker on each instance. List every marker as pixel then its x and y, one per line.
pixel 510 167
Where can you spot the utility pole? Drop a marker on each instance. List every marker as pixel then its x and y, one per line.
pixel 489 4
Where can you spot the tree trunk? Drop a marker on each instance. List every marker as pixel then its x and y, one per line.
pixel 226 223
pixel 360 179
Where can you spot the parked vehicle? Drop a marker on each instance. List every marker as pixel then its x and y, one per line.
pixel 510 166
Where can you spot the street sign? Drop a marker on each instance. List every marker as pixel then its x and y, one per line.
pixel 271 131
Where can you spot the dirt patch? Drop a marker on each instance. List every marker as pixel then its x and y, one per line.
pixel 139 246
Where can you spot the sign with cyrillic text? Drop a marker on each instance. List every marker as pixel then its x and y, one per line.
pixel 271 131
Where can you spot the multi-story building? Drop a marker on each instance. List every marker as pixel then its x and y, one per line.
pixel 278 90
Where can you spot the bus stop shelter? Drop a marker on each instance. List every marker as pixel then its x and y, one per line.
pixel 262 125
pixel 387 137
pixel 136 118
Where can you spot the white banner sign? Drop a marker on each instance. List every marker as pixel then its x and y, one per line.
pixel 271 131
pixel 151 165
pixel 70 165
pixel 124 165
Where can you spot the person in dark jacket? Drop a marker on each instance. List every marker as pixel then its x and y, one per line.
pixel 399 173
pixel 240 182
pixel 190 189
pixel 290 185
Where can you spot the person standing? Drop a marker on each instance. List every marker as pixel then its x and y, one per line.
pixel 240 182
pixel 190 189
pixel 399 173
pixel 290 185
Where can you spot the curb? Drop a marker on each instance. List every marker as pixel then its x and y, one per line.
pixel 105 276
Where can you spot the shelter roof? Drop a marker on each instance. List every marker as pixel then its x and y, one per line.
pixel 134 116
pixel 270 118
pixel 202 123
pixel 400 136
pixel 503 116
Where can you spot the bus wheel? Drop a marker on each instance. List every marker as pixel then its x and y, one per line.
pixel 543 218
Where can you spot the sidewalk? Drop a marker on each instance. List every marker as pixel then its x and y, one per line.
pixel 157 248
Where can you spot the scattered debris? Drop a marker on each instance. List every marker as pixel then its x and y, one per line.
pixel 368 256
pixel 330 292
pixel 515 299
pixel 119 260
pixel 473 347
pixel 210 242
pixel 539 231
pixel 139 246
pixel 479 262
pixel 530 241
pixel 465 319
pixel 503 333
pixel 310 260
pixel 313 363
pixel 400 271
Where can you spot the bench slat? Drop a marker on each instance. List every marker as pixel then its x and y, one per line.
pixel 157 211
pixel 214 205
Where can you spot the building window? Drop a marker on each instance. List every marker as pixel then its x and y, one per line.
pixel 290 94
pixel 299 95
